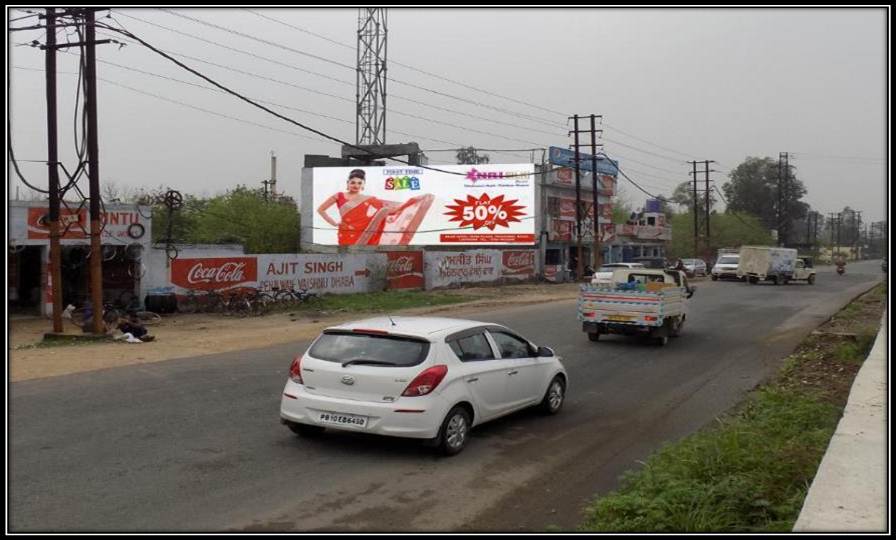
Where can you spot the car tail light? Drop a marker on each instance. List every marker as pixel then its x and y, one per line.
pixel 295 370
pixel 426 382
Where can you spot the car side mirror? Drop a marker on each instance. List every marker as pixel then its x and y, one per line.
pixel 545 351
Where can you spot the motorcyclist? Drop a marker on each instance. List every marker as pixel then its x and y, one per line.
pixel 840 261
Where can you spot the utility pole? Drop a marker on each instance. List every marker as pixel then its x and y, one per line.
pixel 579 268
pixel 839 219
pixel 273 176
pixel 96 248
pixel 596 254
pixel 53 172
pixel 831 225
pixel 708 206
pixel 783 193
pixel 696 233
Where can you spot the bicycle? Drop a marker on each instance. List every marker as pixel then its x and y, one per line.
pixel 299 296
pixel 261 302
pixel 82 315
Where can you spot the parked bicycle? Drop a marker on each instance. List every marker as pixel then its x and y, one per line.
pixel 297 296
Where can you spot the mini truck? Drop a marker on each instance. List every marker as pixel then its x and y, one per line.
pixel 778 265
pixel 639 301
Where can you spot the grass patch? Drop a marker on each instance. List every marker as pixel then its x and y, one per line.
pixel 751 471
pixel 383 301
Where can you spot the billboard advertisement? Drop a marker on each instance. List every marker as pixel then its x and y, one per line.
pixel 567 158
pixel 483 204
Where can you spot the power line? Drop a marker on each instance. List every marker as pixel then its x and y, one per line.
pixel 646 141
pixel 340 81
pixel 547 122
pixel 409 66
pixel 353 68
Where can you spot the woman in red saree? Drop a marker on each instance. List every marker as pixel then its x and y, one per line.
pixel 370 221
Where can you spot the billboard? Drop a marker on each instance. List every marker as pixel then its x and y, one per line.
pixel 567 158
pixel 483 204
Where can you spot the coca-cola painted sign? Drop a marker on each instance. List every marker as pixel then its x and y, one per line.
pixel 518 264
pixel 214 273
pixel 404 270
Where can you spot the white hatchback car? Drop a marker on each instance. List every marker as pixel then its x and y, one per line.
pixel 418 377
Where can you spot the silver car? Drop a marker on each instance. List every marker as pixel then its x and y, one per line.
pixel 726 267
pixel 694 267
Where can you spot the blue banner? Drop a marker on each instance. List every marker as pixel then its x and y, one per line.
pixel 566 158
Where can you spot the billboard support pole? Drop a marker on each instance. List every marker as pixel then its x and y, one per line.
pixel 578 200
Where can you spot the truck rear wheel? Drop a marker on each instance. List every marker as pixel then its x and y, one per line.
pixel 661 341
pixel 593 336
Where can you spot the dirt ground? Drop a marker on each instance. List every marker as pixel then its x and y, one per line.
pixel 829 359
pixel 180 335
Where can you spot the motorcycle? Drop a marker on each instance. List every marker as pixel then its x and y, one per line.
pixel 841 269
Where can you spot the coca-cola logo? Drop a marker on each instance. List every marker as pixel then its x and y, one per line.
pixel 226 273
pixel 401 265
pixel 519 260
pixel 213 273
pixel 405 269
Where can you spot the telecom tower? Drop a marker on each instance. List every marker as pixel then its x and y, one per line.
pixel 371 77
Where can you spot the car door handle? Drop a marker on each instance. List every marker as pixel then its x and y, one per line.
pixel 474 379
pixel 514 372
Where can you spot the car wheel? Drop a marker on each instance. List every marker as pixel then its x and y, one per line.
pixel 554 397
pixel 305 430
pixel 715 277
pixel 455 431
pixel 812 279
pixel 593 336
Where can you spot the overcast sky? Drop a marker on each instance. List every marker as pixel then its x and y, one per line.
pixel 673 85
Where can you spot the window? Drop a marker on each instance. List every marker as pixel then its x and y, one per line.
pixel 341 346
pixel 472 348
pixel 511 346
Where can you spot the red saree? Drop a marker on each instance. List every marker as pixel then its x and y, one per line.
pixel 371 221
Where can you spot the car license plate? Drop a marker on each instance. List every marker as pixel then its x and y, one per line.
pixel 623 318
pixel 343 419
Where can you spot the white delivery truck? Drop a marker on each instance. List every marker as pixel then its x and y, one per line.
pixel 778 265
pixel 638 301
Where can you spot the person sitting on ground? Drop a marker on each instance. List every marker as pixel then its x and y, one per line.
pixel 132 326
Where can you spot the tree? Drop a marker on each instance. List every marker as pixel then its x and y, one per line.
pixel 729 230
pixel 244 215
pixel 471 156
pixel 683 196
pixel 753 189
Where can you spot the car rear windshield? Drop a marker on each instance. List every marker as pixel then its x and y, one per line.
pixel 369 349
pixel 728 260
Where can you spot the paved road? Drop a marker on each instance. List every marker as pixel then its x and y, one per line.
pixel 195 444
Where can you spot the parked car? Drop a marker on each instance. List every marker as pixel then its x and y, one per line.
pixel 418 377
pixel 604 274
pixel 694 267
pixel 658 263
pixel 726 267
